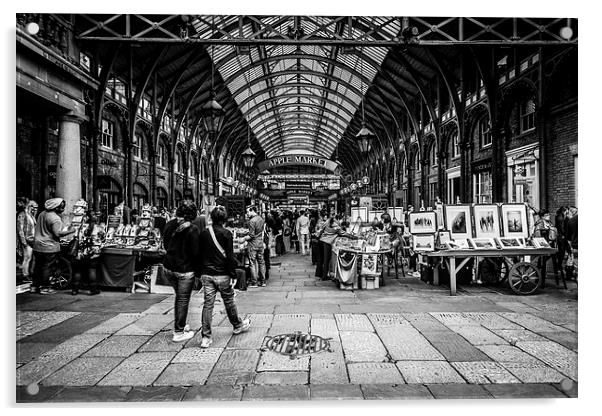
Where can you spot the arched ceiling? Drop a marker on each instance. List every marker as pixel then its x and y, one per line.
pixel 301 82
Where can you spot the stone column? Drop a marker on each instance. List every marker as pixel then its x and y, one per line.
pixel 68 170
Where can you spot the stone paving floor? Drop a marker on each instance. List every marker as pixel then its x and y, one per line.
pixel 406 340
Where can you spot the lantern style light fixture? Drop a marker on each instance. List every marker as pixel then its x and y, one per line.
pixel 212 113
pixel 248 156
pixel 364 137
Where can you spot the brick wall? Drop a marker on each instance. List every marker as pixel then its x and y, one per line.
pixel 561 151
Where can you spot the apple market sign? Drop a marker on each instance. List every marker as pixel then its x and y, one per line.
pixel 291 160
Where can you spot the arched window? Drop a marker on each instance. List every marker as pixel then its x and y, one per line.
pixel 417 161
pixel 163 155
pixel 137 146
pixel 527 115
pixel 161 197
pixel 179 161
pixel 455 145
pixel 483 132
pixel 433 155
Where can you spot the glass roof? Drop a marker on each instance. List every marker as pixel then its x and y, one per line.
pixel 297 97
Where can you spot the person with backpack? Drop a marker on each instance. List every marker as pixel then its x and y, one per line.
pixel 181 242
pixel 218 269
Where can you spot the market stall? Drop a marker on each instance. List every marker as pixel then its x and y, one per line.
pixel 477 232
pixel 359 263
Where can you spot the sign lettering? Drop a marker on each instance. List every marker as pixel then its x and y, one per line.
pixel 297 160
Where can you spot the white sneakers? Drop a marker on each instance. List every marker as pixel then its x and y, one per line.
pixel 182 336
pixel 206 342
pixel 245 325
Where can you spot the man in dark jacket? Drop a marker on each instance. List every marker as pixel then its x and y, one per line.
pixel 218 269
pixel 181 241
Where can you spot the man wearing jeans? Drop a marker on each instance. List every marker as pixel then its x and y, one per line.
pixel 181 241
pixel 255 247
pixel 218 269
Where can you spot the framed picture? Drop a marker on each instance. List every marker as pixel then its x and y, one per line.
pixel 423 222
pixel 514 220
pixel 483 243
pixel 486 220
pixel 505 242
pixel 397 213
pixel 375 215
pixel 423 242
pixel 443 236
pixel 460 244
pixel 359 212
pixel 458 221
pixel 540 242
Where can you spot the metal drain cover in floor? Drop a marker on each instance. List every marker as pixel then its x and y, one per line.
pixel 297 344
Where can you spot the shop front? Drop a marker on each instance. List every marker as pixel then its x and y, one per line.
pixel 482 181
pixel 523 175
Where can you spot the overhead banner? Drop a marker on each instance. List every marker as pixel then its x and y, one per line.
pixel 292 160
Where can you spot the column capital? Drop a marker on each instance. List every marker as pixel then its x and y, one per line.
pixel 74 117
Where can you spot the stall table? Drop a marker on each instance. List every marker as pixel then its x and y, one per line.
pixel 118 265
pixel 521 275
pixel 336 251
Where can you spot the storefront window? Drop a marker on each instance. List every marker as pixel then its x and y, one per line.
pixel 162 156
pixel 453 185
pixel 523 176
pixel 482 187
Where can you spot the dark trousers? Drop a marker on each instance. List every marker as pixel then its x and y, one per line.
pixel 212 285
pixel 46 265
pixel 182 284
pixel 280 249
pixel 266 260
pixel 319 255
pixel 84 267
pixel 326 257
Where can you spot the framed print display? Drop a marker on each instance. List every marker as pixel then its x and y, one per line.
pixel 443 236
pixel 540 242
pixel 486 220
pixel 458 221
pixel 505 242
pixel 514 220
pixel 423 242
pixel 483 243
pixel 375 215
pixel 460 244
pixel 423 222
pixel 397 213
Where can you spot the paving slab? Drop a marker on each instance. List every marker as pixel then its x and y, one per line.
pixel 454 347
pixel 353 322
pixel 523 391
pixel 33 322
pixel 91 394
pixel 275 393
pixel 328 367
pixel 484 372
pixel 291 319
pixel 507 353
pixel 184 374
pixel 536 372
pixel 374 373
pixel 260 320
pixel 39 394
pixel 221 337
pixel 362 346
pixel 459 391
pixel 326 328
pixel 532 323
pixel 454 318
pixel 115 323
pixel 567 339
pixel 554 355
pixel 335 392
pixel 234 366
pixel 491 320
pixel 118 346
pixel 69 327
pixel 406 343
pixel 146 325
pixel 139 369
pixel 515 335
pixel 428 372
pixel 401 392
pixel 478 335
pixel 156 394
pixel 283 378
pixel 384 320
pixel 83 371
pixel 27 351
pixel 162 341
pixel 207 356
pixel 424 322
pixel 213 393
pixel 251 339
pixel 272 361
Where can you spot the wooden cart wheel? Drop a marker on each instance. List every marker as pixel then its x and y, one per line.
pixel 524 278
pixel 505 266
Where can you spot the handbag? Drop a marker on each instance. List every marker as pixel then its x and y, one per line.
pixel 72 248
